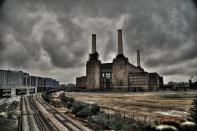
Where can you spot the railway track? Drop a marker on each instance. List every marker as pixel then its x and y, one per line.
pixel 43 123
pixel 66 120
pixel 31 118
pixel 37 115
pixel 25 120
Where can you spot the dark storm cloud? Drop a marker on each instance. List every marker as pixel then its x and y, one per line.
pixel 1 2
pixel 55 36
pixel 37 29
pixel 183 55
pixel 167 37
pixel 195 2
pixel 172 71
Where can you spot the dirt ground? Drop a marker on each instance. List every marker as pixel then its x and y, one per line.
pixel 152 105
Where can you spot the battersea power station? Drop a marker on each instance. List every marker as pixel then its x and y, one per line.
pixel 120 75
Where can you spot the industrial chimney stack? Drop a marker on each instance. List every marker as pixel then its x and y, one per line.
pixel 93 43
pixel 120 46
pixel 138 58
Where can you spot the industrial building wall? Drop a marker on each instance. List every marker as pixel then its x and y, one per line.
pixel 139 80
pixel 147 81
pixel 81 82
pixel 106 76
pixel 120 75
pixel 16 82
pixel 93 73
pixel 19 78
pixel 133 68
pixel 154 81
pixel 8 77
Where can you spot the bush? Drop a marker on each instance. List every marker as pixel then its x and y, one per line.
pixel 93 109
pixel 8 116
pixel 84 110
pixel 7 124
pixel 47 97
pixel 80 109
pixel 82 113
pixel 98 119
pixel 67 101
pixel 69 104
pixel 77 106
pixel 115 122
pixel 194 111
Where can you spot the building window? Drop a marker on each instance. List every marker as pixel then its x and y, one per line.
pixel 108 75
pixel 103 74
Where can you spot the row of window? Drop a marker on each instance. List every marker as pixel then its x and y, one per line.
pixel 138 83
pixel 134 77
pixel 138 79
pixel 107 75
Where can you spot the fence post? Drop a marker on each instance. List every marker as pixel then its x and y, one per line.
pixel 108 112
pixel 145 119
pixel 133 116
pixel 124 115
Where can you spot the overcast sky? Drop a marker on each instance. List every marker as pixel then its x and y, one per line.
pixel 53 37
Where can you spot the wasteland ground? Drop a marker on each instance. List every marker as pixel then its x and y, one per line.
pixel 153 105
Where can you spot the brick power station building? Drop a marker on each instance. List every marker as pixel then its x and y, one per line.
pixel 120 75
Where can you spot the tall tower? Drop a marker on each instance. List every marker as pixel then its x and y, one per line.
pixel 120 45
pixel 93 67
pixel 93 43
pixel 120 67
pixel 138 58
